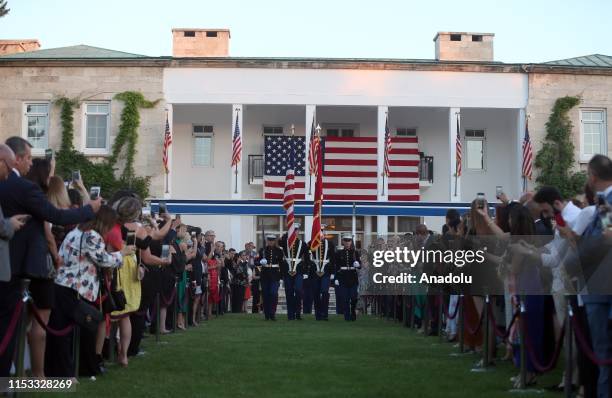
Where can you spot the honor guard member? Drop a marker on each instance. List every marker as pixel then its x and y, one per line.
pixel 347 264
pixel 294 270
pixel 271 258
pixel 322 270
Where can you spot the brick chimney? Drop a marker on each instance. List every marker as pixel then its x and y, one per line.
pixel 464 46
pixel 200 42
pixel 18 46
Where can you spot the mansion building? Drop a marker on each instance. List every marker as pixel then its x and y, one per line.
pixel 207 96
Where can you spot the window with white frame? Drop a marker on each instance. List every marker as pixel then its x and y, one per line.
pixel 475 149
pixel 36 125
pixel 273 130
pixel 97 127
pixel 405 132
pixel 203 145
pixel 340 131
pixel 592 133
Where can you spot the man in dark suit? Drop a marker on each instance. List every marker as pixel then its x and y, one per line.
pixel 28 248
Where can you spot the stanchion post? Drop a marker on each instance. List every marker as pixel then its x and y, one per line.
pixel 567 381
pixel 485 351
pixel 23 323
pixel 175 310
pixel 461 322
pixel 157 316
pixel 440 315
pixel 523 375
pixel 112 342
pixel 76 344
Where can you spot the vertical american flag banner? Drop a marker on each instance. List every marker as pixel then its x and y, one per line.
pixel 167 143
pixel 276 161
pixel 458 150
pixel 236 143
pixel 289 195
pixel 404 162
pixel 527 166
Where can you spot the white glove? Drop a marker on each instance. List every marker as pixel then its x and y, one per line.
pixel 305 276
pixel 356 264
pixel 263 261
pixel 331 276
pixel 337 283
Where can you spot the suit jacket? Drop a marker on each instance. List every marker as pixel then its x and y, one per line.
pixel 29 247
pixel 6 233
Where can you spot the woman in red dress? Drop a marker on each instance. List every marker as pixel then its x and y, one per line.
pixel 213 284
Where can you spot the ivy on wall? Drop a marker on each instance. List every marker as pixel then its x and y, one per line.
pixel 104 173
pixel 555 160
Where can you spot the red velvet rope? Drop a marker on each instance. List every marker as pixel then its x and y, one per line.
pixel 58 333
pixel 446 313
pixel 468 328
pixel 532 355
pixel 168 301
pixel 503 335
pixel 584 345
pixel 10 331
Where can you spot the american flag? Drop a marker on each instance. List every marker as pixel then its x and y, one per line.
pixel 289 195
pixel 236 144
pixel 167 143
pixel 312 149
pixel 459 150
pixel 387 167
pixel 527 154
pixel 350 170
pixel 276 161
pixel 317 208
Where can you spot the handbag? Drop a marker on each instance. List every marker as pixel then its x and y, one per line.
pixel 87 316
pixel 118 295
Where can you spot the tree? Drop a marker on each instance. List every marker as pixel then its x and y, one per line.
pixel 3 9
pixel 555 160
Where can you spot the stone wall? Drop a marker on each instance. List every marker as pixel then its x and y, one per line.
pixel 544 89
pixel 23 84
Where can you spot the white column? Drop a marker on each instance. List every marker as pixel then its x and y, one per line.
pixel 520 135
pixel 367 231
pixel 453 114
pixel 236 175
pixel 309 181
pixel 382 221
pixel 168 178
pixel 236 183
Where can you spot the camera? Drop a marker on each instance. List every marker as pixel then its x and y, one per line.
pixel 480 200
pixel 94 193
pixel 163 209
pixel 76 175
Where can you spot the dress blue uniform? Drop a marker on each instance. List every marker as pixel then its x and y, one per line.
pixel 321 270
pixel 271 259
pixel 347 264
pixel 294 269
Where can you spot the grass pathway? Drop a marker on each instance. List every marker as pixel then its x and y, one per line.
pixel 244 356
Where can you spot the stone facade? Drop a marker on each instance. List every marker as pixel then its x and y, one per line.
pixel 544 89
pixel 20 84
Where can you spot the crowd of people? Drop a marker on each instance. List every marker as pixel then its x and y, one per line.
pixel 114 272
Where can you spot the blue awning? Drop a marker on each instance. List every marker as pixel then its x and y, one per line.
pixel 304 208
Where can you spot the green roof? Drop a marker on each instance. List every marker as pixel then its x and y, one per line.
pixel 80 51
pixel 593 60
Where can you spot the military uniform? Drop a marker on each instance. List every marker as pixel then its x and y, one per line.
pixel 321 271
pixel 293 270
pixel 271 259
pixel 347 264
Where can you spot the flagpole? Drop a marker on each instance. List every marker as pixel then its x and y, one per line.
pixel 236 179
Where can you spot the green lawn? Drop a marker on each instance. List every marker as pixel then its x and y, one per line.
pixel 244 356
